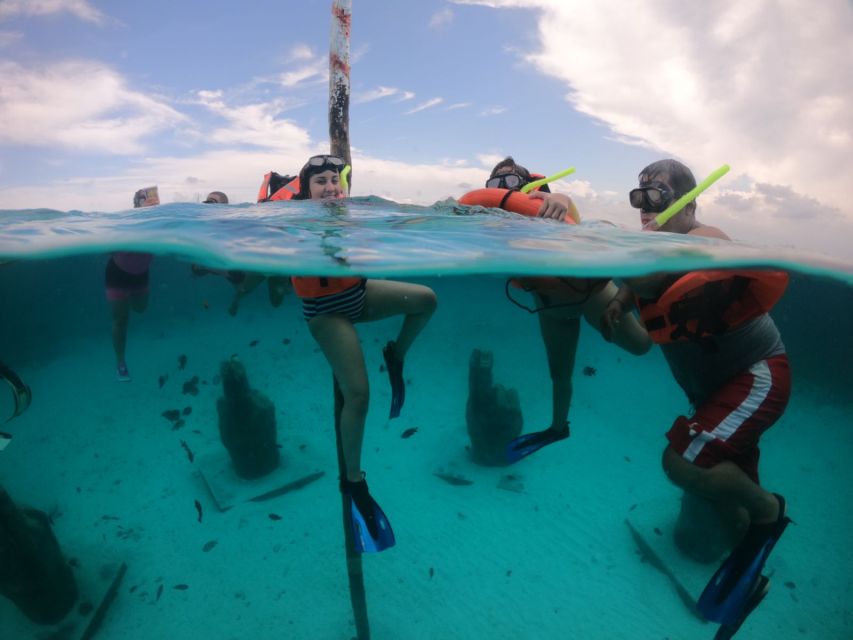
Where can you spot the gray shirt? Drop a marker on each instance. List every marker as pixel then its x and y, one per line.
pixel 701 368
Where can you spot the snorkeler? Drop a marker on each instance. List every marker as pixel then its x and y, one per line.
pixel 725 352
pixel 126 280
pixel 332 306
pixel 559 305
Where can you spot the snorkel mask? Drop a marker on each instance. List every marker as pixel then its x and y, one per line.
pixel 12 404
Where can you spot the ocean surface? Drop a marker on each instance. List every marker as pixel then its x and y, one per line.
pixel 541 549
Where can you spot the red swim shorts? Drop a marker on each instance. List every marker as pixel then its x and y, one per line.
pixel 729 424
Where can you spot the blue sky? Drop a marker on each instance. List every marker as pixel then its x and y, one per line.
pixel 99 98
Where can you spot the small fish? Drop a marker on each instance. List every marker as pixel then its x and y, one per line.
pixel 188 450
pixel 133 588
pixel 508 573
pixel 431 572
pixel 162 380
pixel 790 585
pixel 274 516
pixel 408 433
pixel 181 587
pixel 206 305
pixel 209 545
pixel 187 411
pixel 159 593
pixel 178 424
pixel 171 414
pixel 302 447
pixel 198 509
pixel 182 362
pixel 191 386
pixel 254 343
pixel 589 371
pixel 658 531
pixel 627 459
pixel 455 480
pixel 633 506
pixel 285 341
pixel 109 517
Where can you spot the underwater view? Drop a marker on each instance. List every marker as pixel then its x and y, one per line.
pixel 131 508
pixel 537 327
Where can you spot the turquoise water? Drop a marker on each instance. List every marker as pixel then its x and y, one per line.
pixel 543 554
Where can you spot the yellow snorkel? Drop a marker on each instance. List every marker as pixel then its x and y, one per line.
pixel 573 212
pixel 672 210
pixel 530 186
pixel 344 183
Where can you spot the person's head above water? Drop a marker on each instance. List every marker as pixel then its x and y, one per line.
pixel 662 183
pixel 507 174
pixel 320 178
pixel 147 197
pixel 216 197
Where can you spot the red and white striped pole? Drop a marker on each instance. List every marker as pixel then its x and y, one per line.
pixel 339 68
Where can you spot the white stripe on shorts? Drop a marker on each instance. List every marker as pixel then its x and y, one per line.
pixel 761 384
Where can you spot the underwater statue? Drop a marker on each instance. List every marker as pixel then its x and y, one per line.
pixel 33 572
pixel 493 413
pixel 246 423
pixel 699 532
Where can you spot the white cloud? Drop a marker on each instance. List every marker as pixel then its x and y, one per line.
pixel 79 105
pixel 406 95
pixel 493 111
pixel 425 105
pixel 375 94
pixel 441 18
pixel 312 67
pixel 80 8
pixel 712 83
pixel 457 105
pixel 254 124
pixel 301 52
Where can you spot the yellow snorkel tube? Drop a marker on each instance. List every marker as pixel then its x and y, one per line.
pixel 573 212
pixel 344 183
pixel 672 210
pixel 530 186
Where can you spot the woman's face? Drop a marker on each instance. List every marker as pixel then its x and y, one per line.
pixel 325 185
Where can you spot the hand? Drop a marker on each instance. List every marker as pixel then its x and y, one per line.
pixel 610 318
pixel 554 205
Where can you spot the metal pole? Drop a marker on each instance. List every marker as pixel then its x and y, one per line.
pixel 339 47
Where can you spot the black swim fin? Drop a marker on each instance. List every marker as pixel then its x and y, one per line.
pixel 370 527
pixel 728 594
pixel 528 443
pixel 395 374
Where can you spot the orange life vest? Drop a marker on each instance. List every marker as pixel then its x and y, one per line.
pixel 707 303
pixel 273 189
pixel 317 286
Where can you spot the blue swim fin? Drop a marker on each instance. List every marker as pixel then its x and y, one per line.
pixel 727 595
pixel 370 527
pixel 395 374
pixel 727 632
pixel 528 443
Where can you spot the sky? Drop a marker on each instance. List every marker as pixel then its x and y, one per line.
pixel 98 99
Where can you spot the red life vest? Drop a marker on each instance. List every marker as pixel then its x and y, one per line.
pixel 706 303
pixel 276 187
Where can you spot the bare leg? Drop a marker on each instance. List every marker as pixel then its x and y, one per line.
pixel 725 485
pixel 340 344
pixel 560 337
pixel 121 317
pixel 386 298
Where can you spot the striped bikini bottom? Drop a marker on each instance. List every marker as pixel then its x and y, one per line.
pixel 349 303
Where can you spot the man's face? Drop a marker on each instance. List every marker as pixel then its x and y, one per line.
pixel 659 186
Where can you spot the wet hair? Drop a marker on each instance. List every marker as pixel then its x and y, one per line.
pixel 216 197
pixel 510 163
pixel 677 175
pixel 305 178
